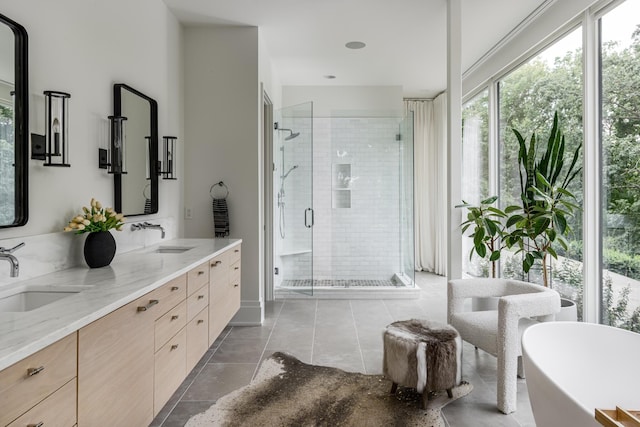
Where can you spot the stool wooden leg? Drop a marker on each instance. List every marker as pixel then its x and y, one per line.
pixel 394 387
pixel 449 393
pixel 425 399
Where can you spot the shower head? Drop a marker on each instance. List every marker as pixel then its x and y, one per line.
pixel 289 171
pixel 291 135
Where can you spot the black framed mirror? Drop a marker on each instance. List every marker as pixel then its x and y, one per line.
pixel 136 189
pixel 14 124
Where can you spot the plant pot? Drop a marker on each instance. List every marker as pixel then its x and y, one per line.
pixel 568 311
pixel 99 249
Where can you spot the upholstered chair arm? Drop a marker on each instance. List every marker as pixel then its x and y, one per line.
pixel 461 289
pixel 511 308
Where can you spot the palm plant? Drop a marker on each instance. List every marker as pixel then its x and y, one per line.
pixel 540 223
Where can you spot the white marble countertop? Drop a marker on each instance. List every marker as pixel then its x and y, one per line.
pixel 130 275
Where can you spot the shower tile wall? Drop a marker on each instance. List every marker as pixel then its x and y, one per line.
pixel 363 241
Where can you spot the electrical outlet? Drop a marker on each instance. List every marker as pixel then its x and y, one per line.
pixel 187 213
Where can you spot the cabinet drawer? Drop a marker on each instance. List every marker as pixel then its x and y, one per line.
pixel 235 271
pixel 197 278
pixel 197 301
pixel 27 382
pixel 234 254
pixel 169 324
pixel 170 369
pixel 197 338
pixel 167 296
pixel 57 410
pixel 219 268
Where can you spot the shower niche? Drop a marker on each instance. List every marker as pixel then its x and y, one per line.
pixel 341 186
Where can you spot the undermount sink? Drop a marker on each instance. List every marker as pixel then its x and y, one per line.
pixel 24 299
pixel 172 249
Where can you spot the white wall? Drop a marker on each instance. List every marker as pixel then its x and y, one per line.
pixel 347 101
pixel 222 143
pixel 522 41
pixel 84 47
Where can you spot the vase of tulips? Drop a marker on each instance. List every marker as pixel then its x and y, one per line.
pixel 99 246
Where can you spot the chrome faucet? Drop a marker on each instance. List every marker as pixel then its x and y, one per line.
pixel 7 254
pixel 145 225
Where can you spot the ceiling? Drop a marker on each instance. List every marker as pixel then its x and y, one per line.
pixel 405 39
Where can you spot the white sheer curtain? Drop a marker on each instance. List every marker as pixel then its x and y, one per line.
pixel 430 182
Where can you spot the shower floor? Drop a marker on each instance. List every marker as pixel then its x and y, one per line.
pixel 341 283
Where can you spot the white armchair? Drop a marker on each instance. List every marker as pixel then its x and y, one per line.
pixel 498 332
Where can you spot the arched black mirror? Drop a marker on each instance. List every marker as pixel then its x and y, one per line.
pixel 136 189
pixel 14 124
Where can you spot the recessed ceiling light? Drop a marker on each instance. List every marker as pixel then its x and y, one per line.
pixel 330 76
pixel 355 45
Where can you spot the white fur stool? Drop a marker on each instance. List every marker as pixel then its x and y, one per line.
pixel 422 354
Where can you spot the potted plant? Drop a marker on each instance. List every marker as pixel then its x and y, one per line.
pixel 489 230
pixel 488 235
pixel 99 246
pixel 540 222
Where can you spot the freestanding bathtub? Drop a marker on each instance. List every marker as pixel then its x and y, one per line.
pixel 573 368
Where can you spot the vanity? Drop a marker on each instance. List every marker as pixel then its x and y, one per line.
pixel 121 340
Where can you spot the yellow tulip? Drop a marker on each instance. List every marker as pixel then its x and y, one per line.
pixel 68 229
pixel 81 227
pixel 86 222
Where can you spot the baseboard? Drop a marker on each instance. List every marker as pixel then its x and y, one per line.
pixel 251 313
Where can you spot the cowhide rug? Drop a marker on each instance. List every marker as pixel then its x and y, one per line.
pixel 288 392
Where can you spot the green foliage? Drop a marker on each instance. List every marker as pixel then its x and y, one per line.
pixel 488 230
pixel 540 221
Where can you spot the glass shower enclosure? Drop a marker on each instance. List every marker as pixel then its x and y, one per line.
pixel 293 182
pixel 343 203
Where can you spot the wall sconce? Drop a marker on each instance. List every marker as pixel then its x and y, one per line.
pixel 114 158
pixel 168 170
pixel 53 146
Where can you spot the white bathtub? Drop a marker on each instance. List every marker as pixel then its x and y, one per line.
pixel 573 368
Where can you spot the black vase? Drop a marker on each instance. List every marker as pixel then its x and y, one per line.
pixel 99 249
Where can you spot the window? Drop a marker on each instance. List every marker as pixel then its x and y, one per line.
pixel 475 170
pixel 620 149
pixel 528 97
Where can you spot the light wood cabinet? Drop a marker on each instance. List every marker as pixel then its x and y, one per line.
pixel 197 278
pixel 197 338
pixel 170 368
pixel 224 290
pixel 57 410
pixel 197 301
pixel 31 380
pixel 115 366
pixel 121 369
pixel 170 324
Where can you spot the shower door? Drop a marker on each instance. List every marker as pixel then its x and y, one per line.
pixel 293 193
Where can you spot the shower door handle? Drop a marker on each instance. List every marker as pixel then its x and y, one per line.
pixel 308 223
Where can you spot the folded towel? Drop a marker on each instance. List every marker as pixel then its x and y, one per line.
pixel 220 218
pixel 147 206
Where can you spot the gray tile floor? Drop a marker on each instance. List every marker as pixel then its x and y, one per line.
pixel 346 334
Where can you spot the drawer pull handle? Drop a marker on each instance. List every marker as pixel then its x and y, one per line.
pixel 200 321
pixel 236 285
pixel 200 273
pixel 215 264
pixel 236 250
pixel 174 346
pixel 148 306
pixel 175 288
pixel 40 424
pixel 200 296
pixel 34 371
pixel 174 317
pixel 236 268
